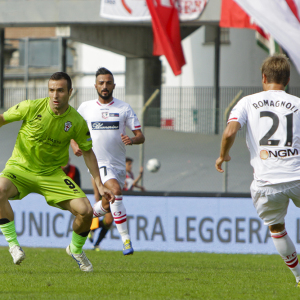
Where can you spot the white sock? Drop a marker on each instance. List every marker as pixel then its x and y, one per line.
pixel 98 210
pixel 118 211
pixel 287 251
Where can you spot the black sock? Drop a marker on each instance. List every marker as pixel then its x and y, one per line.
pixel 84 234
pixel 102 235
pixel 4 221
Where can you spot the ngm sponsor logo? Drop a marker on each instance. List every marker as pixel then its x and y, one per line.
pixel 105 125
pixel 264 154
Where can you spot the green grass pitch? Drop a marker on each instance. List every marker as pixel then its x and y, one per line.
pixel 52 274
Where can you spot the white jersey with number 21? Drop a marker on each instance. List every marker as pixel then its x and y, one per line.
pixel 273 134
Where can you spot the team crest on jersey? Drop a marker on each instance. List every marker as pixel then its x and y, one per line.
pixel 68 125
pixel 105 115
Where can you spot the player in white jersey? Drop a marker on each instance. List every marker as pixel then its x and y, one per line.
pixel 107 119
pixel 273 138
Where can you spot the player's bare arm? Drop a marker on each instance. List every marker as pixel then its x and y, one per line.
pixel 135 182
pixel 96 192
pixel 138 138
pixel 226 144
pixel 2 121
pixel 77 151
pixel 92 164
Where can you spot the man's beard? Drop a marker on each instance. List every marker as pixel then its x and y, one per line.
pixel 105 97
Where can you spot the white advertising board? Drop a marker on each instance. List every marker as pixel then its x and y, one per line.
pixel 132 10
pixel 157 223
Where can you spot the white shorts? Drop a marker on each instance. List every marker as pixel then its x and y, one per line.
pixel 271 201
pixel 108 172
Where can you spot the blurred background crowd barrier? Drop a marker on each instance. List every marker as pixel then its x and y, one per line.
pixel 183 109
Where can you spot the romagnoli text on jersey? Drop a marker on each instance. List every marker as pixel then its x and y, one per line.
pixel 287 105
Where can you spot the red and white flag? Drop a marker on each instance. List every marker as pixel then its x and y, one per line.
pixel 166 32
pixel 165 16
pixel 281 18
pixel 232 15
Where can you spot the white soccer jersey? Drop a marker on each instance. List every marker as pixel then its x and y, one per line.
pixel 273 134
pixel 106 122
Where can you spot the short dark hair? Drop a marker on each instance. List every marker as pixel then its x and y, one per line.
pixel 129 159
pixel 62 75
pixel 277 69
pixel 103 71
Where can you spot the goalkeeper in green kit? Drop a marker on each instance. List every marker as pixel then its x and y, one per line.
pixel 41 148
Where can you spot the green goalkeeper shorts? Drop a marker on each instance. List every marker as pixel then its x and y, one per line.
pixel 56 187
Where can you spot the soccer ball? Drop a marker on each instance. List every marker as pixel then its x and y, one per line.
pixel 153 165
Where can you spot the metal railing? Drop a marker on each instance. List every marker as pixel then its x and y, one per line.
pixel 183 109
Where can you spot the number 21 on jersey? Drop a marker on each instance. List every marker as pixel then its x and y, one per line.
pixel 266 139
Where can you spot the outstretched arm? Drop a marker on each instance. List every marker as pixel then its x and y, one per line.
pixel 2 121
pixel 226 144
pixel 138 138
pixel 92 164
pixel 135 182
pixel 139 177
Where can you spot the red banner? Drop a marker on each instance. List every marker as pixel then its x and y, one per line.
pixel 280 19
pixel 166 33
pixel 232 15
